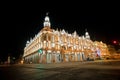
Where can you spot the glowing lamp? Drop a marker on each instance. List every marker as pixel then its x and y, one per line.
pixel 114 42
pixel 40 51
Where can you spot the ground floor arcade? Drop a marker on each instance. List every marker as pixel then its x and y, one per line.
pixel 48 56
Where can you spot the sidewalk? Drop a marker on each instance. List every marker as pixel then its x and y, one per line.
pixel 68 64
pixel 65 64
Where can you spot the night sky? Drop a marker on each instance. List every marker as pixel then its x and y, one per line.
pixel 21 21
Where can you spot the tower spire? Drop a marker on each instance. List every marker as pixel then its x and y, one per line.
pixel 46 21
pixel 87 34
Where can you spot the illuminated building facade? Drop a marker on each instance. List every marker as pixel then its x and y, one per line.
pixel 53 46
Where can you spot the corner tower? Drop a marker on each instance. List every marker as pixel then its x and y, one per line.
pixel 87 36
pixel 46 21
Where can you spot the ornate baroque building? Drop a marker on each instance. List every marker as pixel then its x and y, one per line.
pixel 53 46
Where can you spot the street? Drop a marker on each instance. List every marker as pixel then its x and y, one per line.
pixel 91 70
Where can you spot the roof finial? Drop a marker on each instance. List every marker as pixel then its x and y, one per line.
pixel 47 13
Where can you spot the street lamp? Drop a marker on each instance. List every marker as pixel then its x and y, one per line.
pixel 114 42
